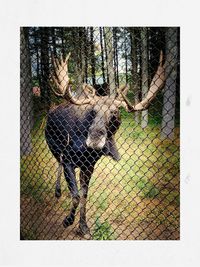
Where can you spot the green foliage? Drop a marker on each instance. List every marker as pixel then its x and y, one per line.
pixel 154 111
pixel 35 81
pixel 65 205
pixel 34 168
pixel 102 230
pixel 147 188
pixel 31 234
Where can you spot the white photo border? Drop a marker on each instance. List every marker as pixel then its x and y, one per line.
pixel 14 14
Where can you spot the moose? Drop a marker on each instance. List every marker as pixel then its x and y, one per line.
pixel 81 130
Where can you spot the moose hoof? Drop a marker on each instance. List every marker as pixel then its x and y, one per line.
pixel 84 231
pixel 58 193
pixel 67 222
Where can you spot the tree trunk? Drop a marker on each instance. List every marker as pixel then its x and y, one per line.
pixel 45 88
pixel 37 55
pixel 78 58
pixel 126 55
pixel 106 55
pixel 92 55
pixel 169 97
pixel 86 53
pixel 116 61
pixel 25 96
pixel 110 56
pixel 81 53
pixel 102 55
pixel 144 116
pixel 135 74
pixel 117 64
pixel 63 42
pixel 53 34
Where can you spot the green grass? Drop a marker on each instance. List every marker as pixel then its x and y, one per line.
pixel 65 205
pixel 37 168
pixel 102 230
pixel 147 188
pixel 100 200
pixel 30 234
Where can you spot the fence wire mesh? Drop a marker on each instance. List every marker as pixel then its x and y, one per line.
pixel 93 164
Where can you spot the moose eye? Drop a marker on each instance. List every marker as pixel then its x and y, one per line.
pixel 113 125
pixel 93 113
pixel 101 132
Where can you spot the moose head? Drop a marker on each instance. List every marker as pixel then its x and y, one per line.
pixel 106 108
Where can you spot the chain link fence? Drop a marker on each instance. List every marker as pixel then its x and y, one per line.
pixel 99 133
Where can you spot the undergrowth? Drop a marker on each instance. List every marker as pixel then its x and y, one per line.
pixel 102 230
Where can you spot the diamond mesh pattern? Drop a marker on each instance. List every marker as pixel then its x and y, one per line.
pixel 134 197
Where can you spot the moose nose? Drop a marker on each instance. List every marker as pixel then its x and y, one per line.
pixel 97 132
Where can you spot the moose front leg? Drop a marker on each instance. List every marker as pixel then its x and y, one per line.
pixel 58 187
pixel 72 185
pixel 85 176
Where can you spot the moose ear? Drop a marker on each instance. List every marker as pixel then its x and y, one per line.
pixel 89 90
pixel 112 149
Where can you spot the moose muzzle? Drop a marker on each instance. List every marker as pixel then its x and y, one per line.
pixel 96 138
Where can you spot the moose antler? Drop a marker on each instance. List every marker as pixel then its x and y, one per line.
pixel 60 77
pixel 156 84
pixel 62 82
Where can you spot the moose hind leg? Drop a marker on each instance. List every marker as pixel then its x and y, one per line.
pixel 72 185
pixel 58 187
pixel 85 176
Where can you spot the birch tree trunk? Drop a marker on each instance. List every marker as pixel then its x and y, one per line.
pixel 144 36
pixel 169 97
pixel 25 96
pixel 110 59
